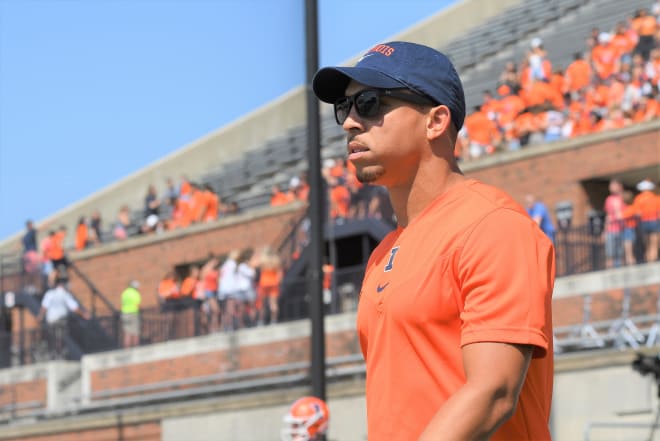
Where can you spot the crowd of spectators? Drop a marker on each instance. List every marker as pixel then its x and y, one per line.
pixel 234 291
pixel 612 84
pixel 629 220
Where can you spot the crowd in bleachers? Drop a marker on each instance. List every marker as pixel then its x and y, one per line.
pixel 613 84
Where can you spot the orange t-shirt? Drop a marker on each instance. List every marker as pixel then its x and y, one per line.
pixel 480 129
pixel 578 75
pixel 210 280
pixel 188 286
pixel 646 205
pixel 605 60
pixel 629 215
pixel 441 283
pixel 56 249
pixel 167 289
pixel 341 201
pixel 212 203
pixel 622 44
pixel 81 236
pixel 270 277
pixel 281 198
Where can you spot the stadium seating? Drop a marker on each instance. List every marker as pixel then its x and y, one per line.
pixel 480 57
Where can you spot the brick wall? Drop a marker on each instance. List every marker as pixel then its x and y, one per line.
pixel 558 173
pixel 214 362
pixel 23 392
pixel 148 259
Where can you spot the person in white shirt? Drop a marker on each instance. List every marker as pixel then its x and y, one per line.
pixel 56 305
pixel 228 290
pixel 246 283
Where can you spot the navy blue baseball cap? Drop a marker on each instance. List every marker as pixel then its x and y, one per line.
pixel 395 65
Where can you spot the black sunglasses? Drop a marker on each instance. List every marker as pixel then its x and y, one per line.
pixel 367 102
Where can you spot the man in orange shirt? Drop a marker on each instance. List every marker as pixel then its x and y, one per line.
pixel 457 346
pixel 577 76
pixel 605 57
pixel 646 205
pixel 482 133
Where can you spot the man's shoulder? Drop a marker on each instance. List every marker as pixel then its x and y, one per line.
pixel 483 198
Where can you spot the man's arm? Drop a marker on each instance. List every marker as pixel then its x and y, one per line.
pixel 495 373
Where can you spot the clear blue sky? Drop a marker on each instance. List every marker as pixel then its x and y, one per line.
pixel 93 90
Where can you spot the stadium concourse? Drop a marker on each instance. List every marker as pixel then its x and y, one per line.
pixel 199 370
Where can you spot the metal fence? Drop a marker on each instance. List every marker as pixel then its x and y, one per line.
pixel 578 250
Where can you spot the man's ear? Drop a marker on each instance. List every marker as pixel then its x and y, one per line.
pixel 438 122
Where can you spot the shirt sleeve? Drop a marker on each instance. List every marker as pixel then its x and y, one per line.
pixel 45 302
pixel 506 274
pixel 71 303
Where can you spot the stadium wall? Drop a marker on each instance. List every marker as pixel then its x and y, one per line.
pixel 251 131
pixel 147 258
pixel 560 171
pixel 590 386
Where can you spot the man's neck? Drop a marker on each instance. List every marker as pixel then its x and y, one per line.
pixel 408 201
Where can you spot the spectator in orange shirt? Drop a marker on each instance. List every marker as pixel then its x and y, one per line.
pixel 622 43
pixel 269 286
pixel 340 200
pixel 81 234
pixel 56 249
pixel 646 207
pixel 197 203
pixel 338 169
pixel 539 95
pixel 209 276
pixel 279 197
pixel 577 76
pixel 557 81
pixel 645 25
pixel 481 132
pixel 605 57
pixel 168 292
pixel 211 202
pixel 328 274
pixel 647 109
pixel 300 187
pixel 489 105
pixel 189 284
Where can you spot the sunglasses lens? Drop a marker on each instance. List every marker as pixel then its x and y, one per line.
pixel 342 109
pixel 367 104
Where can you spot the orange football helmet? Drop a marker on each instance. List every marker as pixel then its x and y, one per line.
pixel 307 419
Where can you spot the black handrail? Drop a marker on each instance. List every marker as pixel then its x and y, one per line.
pixel 95 292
